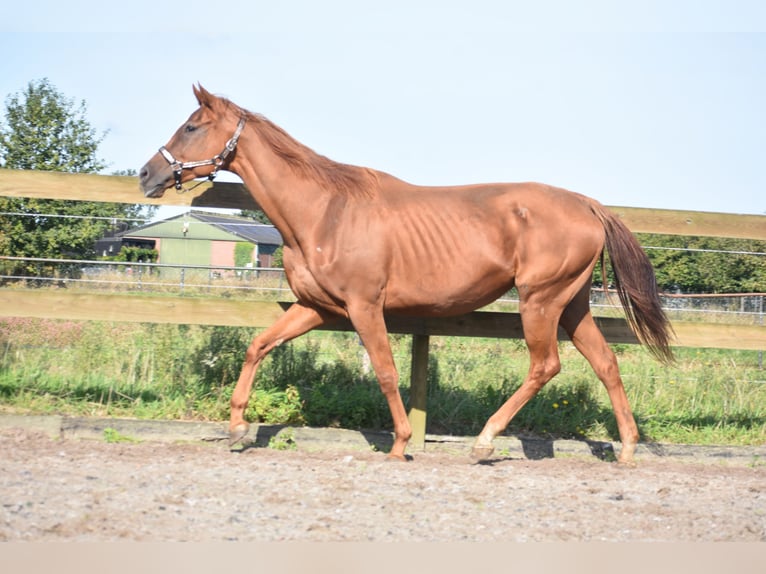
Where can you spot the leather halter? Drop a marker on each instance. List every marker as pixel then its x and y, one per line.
pixel 217 161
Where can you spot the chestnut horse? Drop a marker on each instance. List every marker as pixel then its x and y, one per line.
pixel 359 243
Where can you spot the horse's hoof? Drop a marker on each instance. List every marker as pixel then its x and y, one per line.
pixel 237 433
pixel 397 457
pixel 482 452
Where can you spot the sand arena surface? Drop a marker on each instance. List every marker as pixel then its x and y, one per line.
pixel 67 489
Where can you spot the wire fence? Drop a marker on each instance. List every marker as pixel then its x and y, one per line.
pixel 265 283
pixel 271 284
pixel 120 276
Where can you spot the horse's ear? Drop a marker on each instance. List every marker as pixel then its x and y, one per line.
pixel 203 96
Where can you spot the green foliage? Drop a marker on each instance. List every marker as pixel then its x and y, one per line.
pixel 114 436
pixel 136 254
pixel 243 254
pixel 277 261
pixel 689 264
pixel 219 359
pixel 331 393
pixel 44 130
pixel 47 132
pixel 34 234
pixel 278 407
pixel 705 269
pixel 187 372
pixel 255 214
pixel 283 441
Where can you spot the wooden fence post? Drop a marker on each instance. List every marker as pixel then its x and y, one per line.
pixel 418 391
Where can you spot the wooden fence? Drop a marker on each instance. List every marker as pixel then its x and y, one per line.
pixel 59 304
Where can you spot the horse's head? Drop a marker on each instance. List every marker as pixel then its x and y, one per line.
pixel 201 147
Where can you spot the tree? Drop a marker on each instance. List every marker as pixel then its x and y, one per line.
pixel 690 264
pixel 707 264
pixel 46 131
pixel 256 215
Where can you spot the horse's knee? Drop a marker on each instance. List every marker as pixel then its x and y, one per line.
pixel 252 355
pixel 389 382
pixel 257 350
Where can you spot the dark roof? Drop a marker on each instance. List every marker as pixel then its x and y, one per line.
pixel 243 227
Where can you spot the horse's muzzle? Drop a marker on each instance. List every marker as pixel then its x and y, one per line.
pixel 153 183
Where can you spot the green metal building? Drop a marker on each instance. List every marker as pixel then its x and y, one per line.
pixel 205 238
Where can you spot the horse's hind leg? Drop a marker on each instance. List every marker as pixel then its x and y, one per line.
pixel 578 322
pixel 540 332
pixel 296 321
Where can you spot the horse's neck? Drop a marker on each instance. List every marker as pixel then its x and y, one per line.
pixel 291 203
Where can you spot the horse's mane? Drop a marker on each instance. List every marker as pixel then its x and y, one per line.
pixel 306 163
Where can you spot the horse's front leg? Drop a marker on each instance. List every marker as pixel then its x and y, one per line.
pixel 371 327
pixel 296 321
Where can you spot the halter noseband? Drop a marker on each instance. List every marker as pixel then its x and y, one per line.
pixel 217 161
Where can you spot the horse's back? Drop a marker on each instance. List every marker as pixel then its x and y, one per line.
pixel 547 201
pixel 533 211
pixel 450 249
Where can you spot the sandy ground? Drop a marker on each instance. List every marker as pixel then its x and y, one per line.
pixel 90 490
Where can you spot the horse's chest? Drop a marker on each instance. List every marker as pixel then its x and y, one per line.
pixel 308 288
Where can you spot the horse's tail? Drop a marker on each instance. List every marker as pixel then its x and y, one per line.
pixel 636 286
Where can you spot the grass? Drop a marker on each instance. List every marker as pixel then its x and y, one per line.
pixel 113 436
pixel 187 372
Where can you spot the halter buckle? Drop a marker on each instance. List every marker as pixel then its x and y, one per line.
pixel 216 161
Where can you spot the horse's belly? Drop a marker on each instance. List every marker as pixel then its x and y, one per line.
pixel 447 293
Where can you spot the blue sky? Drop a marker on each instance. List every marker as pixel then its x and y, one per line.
pixel 660 105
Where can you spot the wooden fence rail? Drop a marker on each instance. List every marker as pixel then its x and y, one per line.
pixel 60 304
pixel 121 189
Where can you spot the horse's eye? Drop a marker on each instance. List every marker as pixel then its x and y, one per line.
pixel 190 128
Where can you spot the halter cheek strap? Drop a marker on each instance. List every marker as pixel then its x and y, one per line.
pixel 216 161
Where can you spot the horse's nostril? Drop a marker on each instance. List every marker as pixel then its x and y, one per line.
pixel 143 174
